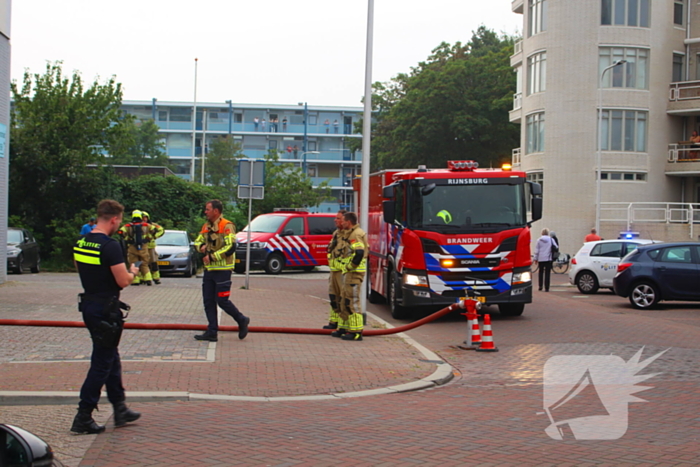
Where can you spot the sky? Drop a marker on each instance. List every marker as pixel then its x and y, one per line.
pixel 247 51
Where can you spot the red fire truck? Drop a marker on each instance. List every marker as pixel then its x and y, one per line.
pixel 437 235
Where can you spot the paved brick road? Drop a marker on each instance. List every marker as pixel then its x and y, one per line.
pixel 491 414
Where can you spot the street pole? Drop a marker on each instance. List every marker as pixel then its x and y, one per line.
pixel 366 136
pixel 204 141
pixel 194 124
pixel 598 187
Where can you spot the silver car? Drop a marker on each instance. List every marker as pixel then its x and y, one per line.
pixel 176 253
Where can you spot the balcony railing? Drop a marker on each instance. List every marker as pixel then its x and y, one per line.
pixel 684 151
pixel 518 47
pixel 516 156
pixel 683 91
pixel 659 212
pixel 517 100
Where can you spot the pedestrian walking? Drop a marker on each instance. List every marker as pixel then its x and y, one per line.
pixel 335 264
pixel 100 263
pixel 543 258
pixel 217 242
pixel 355 252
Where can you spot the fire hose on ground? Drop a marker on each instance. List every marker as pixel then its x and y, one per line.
pixel 272 329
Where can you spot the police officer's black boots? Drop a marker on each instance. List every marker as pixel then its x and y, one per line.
pixel 84 423
pixel 123 414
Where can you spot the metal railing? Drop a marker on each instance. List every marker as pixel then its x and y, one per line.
pixel 517 100
pixel 518 47
pixel 683 152
pixel 651 212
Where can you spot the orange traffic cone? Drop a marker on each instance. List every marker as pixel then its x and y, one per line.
pixel 487 344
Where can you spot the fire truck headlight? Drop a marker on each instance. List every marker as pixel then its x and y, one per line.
pixel 522 277
pixel 412 279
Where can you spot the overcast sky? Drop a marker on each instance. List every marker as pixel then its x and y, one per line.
pixel 249 51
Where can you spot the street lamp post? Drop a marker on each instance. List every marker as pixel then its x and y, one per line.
pixel 600 143
pixel 194 124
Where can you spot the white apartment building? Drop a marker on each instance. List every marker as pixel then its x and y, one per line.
pixel 650 102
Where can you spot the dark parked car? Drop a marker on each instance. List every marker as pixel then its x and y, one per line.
pixel 22 251
pixel 176 253
pixel 655 272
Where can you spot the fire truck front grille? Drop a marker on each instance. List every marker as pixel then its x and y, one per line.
pixel 469 276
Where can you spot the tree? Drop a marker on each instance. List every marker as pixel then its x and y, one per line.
pixel 452 106
pixel 137 143
pixel 221 166
pixel 58 127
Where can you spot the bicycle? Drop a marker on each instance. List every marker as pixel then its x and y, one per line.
pixel 561 264
pixel 535 265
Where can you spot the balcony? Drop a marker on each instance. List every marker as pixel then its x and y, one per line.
pixel 517 6
pixel 517 57
pixel 684 98
pixel 683 160
pixel 516 158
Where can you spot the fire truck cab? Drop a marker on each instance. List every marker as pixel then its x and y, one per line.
pixel 438 235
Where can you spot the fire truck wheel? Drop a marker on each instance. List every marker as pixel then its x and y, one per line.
pixel 397 311
pixel 511 309
pixel 274 264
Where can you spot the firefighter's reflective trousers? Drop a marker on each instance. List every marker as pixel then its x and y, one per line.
pixel 335 293
pixel 134 254
pixel 351 313
pixel 216 290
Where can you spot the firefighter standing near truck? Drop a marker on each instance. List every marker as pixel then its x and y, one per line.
pixel 137 235
pixel 156 232
pixel 356 250
pixel 335 264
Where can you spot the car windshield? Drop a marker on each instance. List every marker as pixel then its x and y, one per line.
pixel 173 239
pixel 14 236
pixel 265 224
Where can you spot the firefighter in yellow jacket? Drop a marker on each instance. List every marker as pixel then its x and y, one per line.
pixel 137 235
pixel 217 242
pixel 335 263
pixel 356 251
pixel 156 232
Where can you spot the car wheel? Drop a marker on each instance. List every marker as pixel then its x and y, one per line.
pixel 587 282
pixel 37 268
pixel 644 296
pixel 20 265
pixel 397 311
pixel 274 264
pixel 511 309
pixel 188 271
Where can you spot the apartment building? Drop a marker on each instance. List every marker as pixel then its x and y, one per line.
pixel 5 23
pixel 316 137
pixel 610 87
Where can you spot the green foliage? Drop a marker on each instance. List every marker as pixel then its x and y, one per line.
pixel 221 166
pixel 138 143
pixel 65 233
pixel 452 106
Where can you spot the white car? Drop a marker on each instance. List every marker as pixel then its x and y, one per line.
pixel 595 264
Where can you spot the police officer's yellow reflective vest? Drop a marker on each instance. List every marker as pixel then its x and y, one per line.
pixel 220 239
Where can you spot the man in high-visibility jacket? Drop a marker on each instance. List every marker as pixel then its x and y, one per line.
pixel 217 242
pixel 335 279
pixel 156 232
pixel 137 235
pixel 354 269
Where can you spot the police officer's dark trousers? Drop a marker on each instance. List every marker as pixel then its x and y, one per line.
pixel 105 365
pixel 216 290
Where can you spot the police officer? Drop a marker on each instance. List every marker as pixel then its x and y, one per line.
pixel 356 250
pixel 137 235
pixel 156 231
pixel 217 242
pixel 100 264
pixel 335 280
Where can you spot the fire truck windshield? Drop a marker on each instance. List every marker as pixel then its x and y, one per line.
pixel 466 208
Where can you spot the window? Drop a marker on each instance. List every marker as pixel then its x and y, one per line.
pixel 162 115
pixel 537 13
pixel 678 68
pixel 624 130
pixel 536 73
pixel 272 144
pixel 180 114
pixel 321 225
pixel 534 133
pixel 296 225
pixel 537 177
pixel 678 12
pixel 679 254
pixel 625 13
pixel 238 118
pixel 632 74
pixel 312 171
pixel 624 176
pixel 608 250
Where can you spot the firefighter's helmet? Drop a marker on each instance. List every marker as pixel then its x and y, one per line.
pixel 136 214
pixel 145 214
